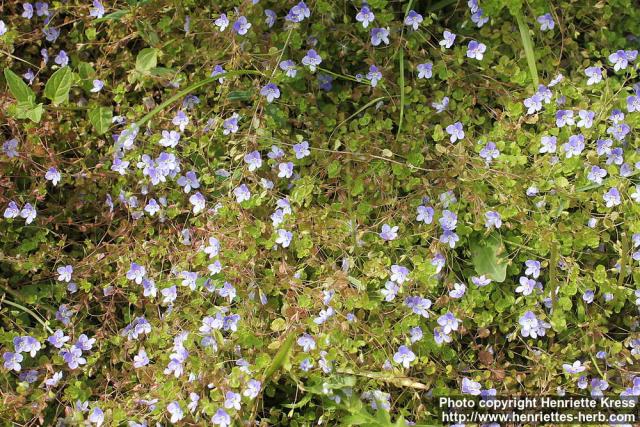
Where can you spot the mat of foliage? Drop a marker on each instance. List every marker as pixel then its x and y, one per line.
pixel 292 213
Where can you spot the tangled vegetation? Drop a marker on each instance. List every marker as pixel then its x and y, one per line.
pixel 321 212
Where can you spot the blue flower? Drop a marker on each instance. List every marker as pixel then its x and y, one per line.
pixel 374 75
pixel 97 11
pixel 365 16
pixel 284 238
pixel 289 67
pixel 298 13
pixel 301 150
pixel 456 131
pixel 594 74
pixel 448 38
pixel 379 35
pixel 413 19
pixel 475 50
pixel 404 356
pixel 546 22
pixel 242 193
pixel 425 71
pixel 27 10
pixel 312 60
pixel 221 418
pixel 389 233
pixel 222 22
pixel 254 160
pixel 241 26
pixel 270 91
pixel 271 17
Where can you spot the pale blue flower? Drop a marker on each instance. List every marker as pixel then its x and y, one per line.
pixel 379 35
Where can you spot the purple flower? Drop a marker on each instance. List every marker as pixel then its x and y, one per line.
pixel 181 120
pixel 12 361
pixel 596 174
pixel 404 356
pixel 217 70
pixel 365 16
pixel 479 19
pixel 325 82
pixel 97 11
pixel 271 17
pixel 254 160
pixel 27 10
pixel 242 193
pixel 612 197
pixel 413 19
pixel 58 339
pixel 53 175
pixel 10 148
pixel 54 380
pixel 546 22
pixel 633 103
pixel 458 290
pixel 29 76
pixel 64 314
pixel 529 325
pixel 307 342
pixel 588 296
pixel 390 291
pixel 136 273
pixel 198 201
pixel 586 118
pixel 96 416
pixel 418 305
pixel 548 144
pixel 169 138
pixel 416 334
pixel 221 418
pixel 447 39
pixel 480 281
pixel 448 323
pixel 533 104
pixel 232 400
pixel 374 75
pixel 301 150
pixel 29 213
pixel 241 26
pixel 575 146
pixel 533 268
pixel 298 13
pixel 574 368
pixel 284 238
pixel 489 152
pixel 526 286
pixel 73 357
pixel 175 411
pixel 475 50
pixel 188 181
pixel 388 232
pixel 270 91
pixel 456 131
pixel 285 170
pixel 62 59
pixel 621 58
pixel 470 387
pixel 449 220
pixel 442 105
pixel 492 219
pixel 564 118
pixel 425 214
pixel 64 273
pixel 379 35
pixel 594 74
pixel 312 60
pixel 425 71
pixel 619 131
pixel 399 274
pixel 275 153
pixel 289 67
pixel 222 22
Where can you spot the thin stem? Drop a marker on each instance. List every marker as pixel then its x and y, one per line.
pixel 30 312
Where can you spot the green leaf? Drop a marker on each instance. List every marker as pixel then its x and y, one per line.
pixel 58 86
pixel 486 257
pixel 113 16
pixel 147 59
pixel 528 47
pixel 281 356
pixel 239 95
pixel 29 110
pixel 100 118
pixel 18 88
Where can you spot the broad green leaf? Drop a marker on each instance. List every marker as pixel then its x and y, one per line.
pixel 100 118
pixel 486 255
pixel 18 88
pixel 58 86
pixel 29 110
pixel 147 59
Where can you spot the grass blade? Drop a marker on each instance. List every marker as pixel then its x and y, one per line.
pixel 528 48
pixel 281 356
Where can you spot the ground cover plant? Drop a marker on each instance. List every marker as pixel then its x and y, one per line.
pixel 320 212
